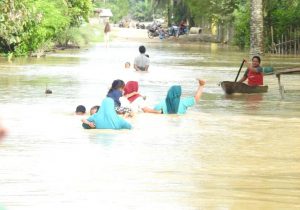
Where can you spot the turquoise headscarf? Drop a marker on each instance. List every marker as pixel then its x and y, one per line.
pixel 173 99
pixel 107 118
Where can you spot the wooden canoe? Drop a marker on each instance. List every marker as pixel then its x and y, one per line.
pixel 238 87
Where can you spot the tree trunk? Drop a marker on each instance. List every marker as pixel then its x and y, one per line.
pixel 170 12
pixel 256 28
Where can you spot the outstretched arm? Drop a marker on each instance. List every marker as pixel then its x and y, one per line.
pixel 146 67
pixel 91 124
pixel 242 79
pixel 136 67
pixel 199 90
pixel 149 110
pixel 131 94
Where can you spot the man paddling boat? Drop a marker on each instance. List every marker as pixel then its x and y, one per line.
pixel 254 72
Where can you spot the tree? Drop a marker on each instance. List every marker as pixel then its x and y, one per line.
pixel 141 10
pixel 78 10
pixel 256 28
pixel 167 5
pixel 29 25
pixel 242 26
pixel 15 20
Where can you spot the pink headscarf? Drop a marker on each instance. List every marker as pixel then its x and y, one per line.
pixel 132 86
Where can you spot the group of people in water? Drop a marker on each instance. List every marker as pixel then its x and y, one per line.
pixel 123 100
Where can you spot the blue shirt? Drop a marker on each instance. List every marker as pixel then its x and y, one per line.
pixel 115 95
pixel 184 104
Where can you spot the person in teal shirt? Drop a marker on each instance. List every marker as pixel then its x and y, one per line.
pixel 106 117
pixel 174 104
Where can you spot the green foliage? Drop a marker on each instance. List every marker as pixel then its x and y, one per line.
pixel 80 36
pixel 52 21
pixel 16 21
pixel 219 11
pixel 198 9
pixel 242 26
pixel 281 15
pixel 119 8
pixel 78 10
pixel 31 25
pixel 141 10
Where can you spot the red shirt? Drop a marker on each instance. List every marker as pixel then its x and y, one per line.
pixel 255 78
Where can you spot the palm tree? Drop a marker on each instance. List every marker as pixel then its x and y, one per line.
pixel 256 28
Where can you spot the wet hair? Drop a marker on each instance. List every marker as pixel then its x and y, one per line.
pixel 257 57
pixel 95 107
pixel 116 85
pixel 147 56
pixel 142 49
pixel 80 108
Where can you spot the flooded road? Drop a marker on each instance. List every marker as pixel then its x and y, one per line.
pixel 237 152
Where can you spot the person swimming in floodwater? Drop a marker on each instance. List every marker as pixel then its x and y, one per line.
pixel 106 118
pixel 127 65
pixel 80 110
pixel 174 104
pixel 94 109
pixel 116 92
pixel 254 72
pixel 135 100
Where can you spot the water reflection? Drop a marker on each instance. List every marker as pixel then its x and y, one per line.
pixel 227 152
pixel 251 101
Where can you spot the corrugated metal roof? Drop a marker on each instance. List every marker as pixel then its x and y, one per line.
pixel 106 13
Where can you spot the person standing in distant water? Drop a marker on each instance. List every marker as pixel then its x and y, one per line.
pixel 107 30
pixel 127 65
pixel 254 72
pixel 141 62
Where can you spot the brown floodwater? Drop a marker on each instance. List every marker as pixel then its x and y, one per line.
pixel 228 152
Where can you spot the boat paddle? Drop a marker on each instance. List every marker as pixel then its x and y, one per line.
pixel 229 87
pixel 237 76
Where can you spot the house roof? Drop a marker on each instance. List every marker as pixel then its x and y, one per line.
pixel 106 13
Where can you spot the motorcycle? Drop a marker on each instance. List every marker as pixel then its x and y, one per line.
pixel 140 26
pixel 155 30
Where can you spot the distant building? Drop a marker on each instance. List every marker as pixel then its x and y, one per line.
pixel 103 14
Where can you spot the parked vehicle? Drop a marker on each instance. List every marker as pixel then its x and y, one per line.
pixel 155 30
pixel 121 24
pixel 140 25
pixel 124 23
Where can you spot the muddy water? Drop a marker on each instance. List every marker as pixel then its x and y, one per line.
pixel 237 152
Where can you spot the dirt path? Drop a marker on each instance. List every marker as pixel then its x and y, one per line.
pixel 140 35
pixel 132 35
